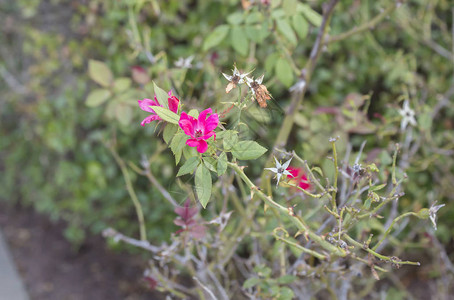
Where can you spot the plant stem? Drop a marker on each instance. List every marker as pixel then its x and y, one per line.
pixel 298 97
pixel 132 193
pixel 366 26
pixel 305 250
pixel 286 212
pixel 336 174
pixel 391 226
pixel 382 257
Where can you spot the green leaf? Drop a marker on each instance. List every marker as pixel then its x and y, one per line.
pixel 284 27
pixel 311 15
pixel 210 163
pixel 300 25
pixel 161 95
pixel 318 170
pixel 222 164
pixel 229 139
pixel 254 17
pixel 189 152
pixel 284 72
pixel 189 166
pixel 278 14
pixel 166 114
pixel 251 282
pixel 289 7
pixel 270 62
pixel 239 41
pixel 246 150
pixel 367 203
pixel 235 18
pixel 377 187
pixel 285 293
pixel 99 72
pixel 169 132
pixel 177 145
pixel 286 279
pixel 121 84
pixel 203 184
pixel 215 37
pixel 97 97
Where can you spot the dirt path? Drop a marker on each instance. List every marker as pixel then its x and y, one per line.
pixel 51 269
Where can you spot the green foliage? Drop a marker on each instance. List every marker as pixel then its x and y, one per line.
pixel 74 92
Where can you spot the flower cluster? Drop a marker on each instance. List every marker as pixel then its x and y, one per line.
pixel 258 90
pixel 199 130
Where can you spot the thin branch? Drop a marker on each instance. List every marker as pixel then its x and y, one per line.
pixel 112 233
pixel 205 288
pixel 366 26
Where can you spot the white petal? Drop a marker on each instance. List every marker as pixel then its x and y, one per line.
pixel 228 77
pixel 260 79
pixel 287 163
pixel 287 173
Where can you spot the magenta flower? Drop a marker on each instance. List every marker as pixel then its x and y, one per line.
pixel 200 129
pixel 146 105
pixel 299 177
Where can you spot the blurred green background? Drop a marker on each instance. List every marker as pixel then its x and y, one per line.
pixel 53 138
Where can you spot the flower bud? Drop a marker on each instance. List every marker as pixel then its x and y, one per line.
pixel 424 213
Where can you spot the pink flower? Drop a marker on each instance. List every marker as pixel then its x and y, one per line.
pixel 146 104
pixel 300 177
pixel 200 129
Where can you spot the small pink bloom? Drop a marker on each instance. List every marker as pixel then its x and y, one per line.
pixel 300 177
pixel 200 129
pixel 146 105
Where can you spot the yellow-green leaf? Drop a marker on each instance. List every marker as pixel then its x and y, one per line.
pixel 284 72
pixel 215 37
pixel 239 41
pixel 97 97
pixel 203 184
pixel 100 73
pixel 121 84
pixel 166 114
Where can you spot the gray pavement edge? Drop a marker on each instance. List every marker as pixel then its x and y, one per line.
pixel 11 285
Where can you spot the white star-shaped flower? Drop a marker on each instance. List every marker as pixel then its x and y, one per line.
pixel 433 213
pixel 254 83
pixel 236 77
pixel 184 63
pixel 280 169
pixel 408 115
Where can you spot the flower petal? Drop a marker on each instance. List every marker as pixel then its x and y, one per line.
pixel 192 142
pixel 146 103
pixel 207 136
pixel 203 115
pixel 187 123
pixel 202 147
pixel 150 119
pixel 212 122
pixel 173 103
